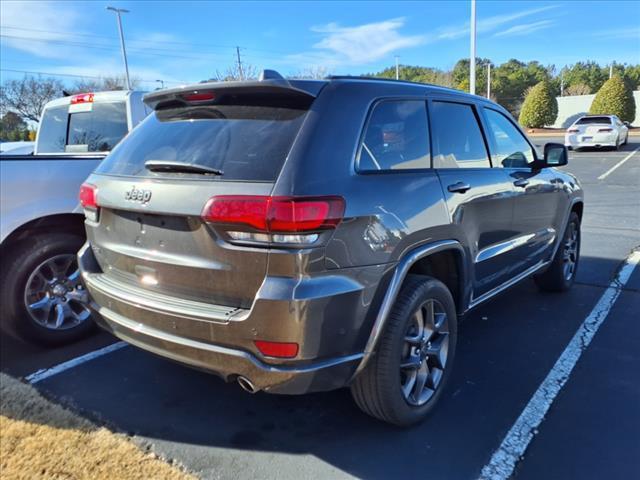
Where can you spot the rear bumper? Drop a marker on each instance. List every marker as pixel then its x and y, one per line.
pixel 230 363
pixel 326 316
pixel 576 141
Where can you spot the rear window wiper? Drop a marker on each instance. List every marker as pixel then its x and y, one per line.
pixel 180 167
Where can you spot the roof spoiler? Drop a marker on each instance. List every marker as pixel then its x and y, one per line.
pixel 269 81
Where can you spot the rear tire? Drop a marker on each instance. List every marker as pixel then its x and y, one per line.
pixel 41 293
pixel 405 378
pixel 561 273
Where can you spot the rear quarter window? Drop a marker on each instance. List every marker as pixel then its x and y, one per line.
pixel 246 142
pixel 396 137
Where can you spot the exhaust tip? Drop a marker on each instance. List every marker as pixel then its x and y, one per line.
pixel 246 384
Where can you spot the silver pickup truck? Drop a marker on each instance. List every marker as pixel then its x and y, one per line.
pixel 41 222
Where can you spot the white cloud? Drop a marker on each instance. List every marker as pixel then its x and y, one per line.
pixel 152 55
pixel 487 24
pixel 38 19
pixel 371 42
pixel 525 28
pixel 632 33
pixel 360 44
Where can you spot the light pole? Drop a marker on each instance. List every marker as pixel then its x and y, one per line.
pixel 397 68
pixel 119 11
pixel 472 60
pixel 240 72
pixel 489 80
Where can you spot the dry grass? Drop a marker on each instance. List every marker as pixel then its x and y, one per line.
pixel 40 439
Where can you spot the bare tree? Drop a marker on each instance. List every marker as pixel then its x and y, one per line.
pixel 27 97
pixel 103 84
pixel 311 73
pixel 232 73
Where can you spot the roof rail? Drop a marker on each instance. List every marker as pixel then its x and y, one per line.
pixel 379 79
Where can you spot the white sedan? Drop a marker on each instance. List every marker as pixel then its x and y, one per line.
pixel 597 131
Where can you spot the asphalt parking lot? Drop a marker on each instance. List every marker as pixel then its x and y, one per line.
pixel 507 347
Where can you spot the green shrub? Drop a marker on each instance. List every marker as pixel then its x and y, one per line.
pixel 540 107
pixel 614 98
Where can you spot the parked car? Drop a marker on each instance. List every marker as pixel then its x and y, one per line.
pixel 301 236
pixel 16 148
pixel 41 222
pixel 597 131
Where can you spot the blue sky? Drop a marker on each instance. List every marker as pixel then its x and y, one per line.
pixel 188 41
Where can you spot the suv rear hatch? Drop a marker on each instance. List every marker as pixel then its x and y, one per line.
pixel 152 190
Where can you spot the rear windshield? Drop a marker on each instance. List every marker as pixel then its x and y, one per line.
pixel 246 142
pixel 592 120
pixel 98 130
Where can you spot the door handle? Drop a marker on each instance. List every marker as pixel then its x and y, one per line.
pixel 521 183
pixel 459 187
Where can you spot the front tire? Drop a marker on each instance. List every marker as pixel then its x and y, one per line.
pixel 561 273
pixel 41 290
pixel 404 380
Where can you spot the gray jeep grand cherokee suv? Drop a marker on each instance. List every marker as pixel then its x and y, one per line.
pixel 300 236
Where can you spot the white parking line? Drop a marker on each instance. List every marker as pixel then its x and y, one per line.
pixel 619 164
pixel 50 372
pixel 514 445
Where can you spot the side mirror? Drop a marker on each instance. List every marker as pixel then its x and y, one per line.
pixel 555 155
pixel 626 124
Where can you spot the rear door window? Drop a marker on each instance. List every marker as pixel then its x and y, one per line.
pixel 457 140
pixel 509 147
pixel 246 142
pixel 396 137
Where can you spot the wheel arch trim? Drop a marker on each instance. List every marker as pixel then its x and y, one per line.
pixel 399 274
pixel 574 201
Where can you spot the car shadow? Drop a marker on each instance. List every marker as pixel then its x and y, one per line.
pixel 506 347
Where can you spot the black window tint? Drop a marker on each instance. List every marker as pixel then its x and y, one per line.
pixel 245 142
pixel 52 135
pixel 98 130
pixel 396 138
pixel 456 137
pixel 594 120
pixel 510 148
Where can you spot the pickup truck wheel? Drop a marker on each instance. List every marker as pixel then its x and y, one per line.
pixel 561 273
pixel 404 380
pixel 42 293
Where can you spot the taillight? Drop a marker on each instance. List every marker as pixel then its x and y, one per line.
pixel 82 98
pixel 199 96
pixel 89 200
pixel 605 130
pixel 275 219
pixel 277 349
